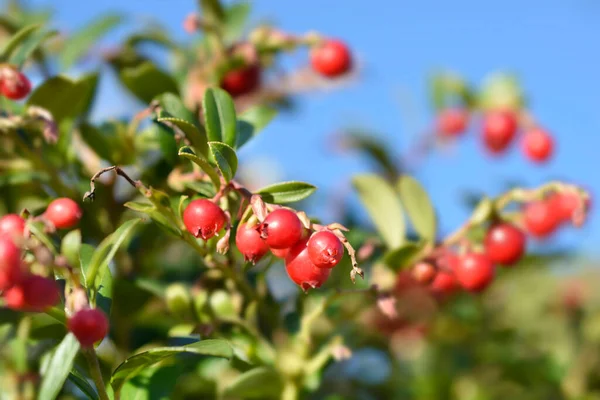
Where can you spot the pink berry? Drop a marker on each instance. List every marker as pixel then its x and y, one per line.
pixel 203 218
pixel 63 213
pixel 499 129
pixel 281 229
pixel 541 218
pixel 249 243
pixel 331 58
pixel 452 121
pixel 325 249
pixel 12 225
pixel 474 271
pixel 505 244
pixel 538 145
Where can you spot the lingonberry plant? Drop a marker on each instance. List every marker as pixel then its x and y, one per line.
pixel 136 263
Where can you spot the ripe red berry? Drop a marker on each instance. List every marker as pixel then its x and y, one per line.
pixel 452 121
pixel 12 225
pixel 10 263
pixel 541 218
pixel 14 298
pixel 331 58
pixel 504 244
pixel 64 213
pixel 203 218
pixel 89 326
pixel 423 272
pixel 538 145
pixel 325 249
pixel 499 129
pixel 281 253
pixel 249 243
pixel 474 271
pixel 15 85
pixel 566 205
pixel 444 284
pixel 281 229
pixel 242 80
pixel 301 269
pixel 40 292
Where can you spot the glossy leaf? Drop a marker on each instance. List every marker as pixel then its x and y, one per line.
pixel 70 247
pixel 82 384
pixel 96 140
pixel 146 81
pixel 252 121
pixel 138 362
pixel 156 382
pixel 196 136
pixel 188 153
pixel 58 368
pixel 286 192
pixel 383 205
pixel 236 17
pixel 261 383
pixel 403 256
pixel 61 96
pixel 225 158
pixel 86 252
pixel 418 206
pixel 219 116
pixel 17 39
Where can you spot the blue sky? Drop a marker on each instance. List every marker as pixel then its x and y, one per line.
pixel 550 44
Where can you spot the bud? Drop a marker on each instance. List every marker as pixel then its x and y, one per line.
pixel 222 304
pixel 178 300
pixel 259 35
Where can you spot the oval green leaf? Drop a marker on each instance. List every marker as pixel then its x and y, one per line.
pixel 286 192
pixel 418 206
pixel 225 158
pixel 147 81
pixel 403 256
pixel 219 116
pixel 61 96
pixel 70 246
pixel 252 121
pixel 261 383
pixel 188 153
pixel 58 368
pixel 16 40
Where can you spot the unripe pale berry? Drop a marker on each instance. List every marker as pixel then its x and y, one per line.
pixel 63 213
pixel 89 326
pixel 538 145
pixel 15 85
pixel 249 243
pixel 331 58
pixel 12 225
pixel 541 218
pixel 281 229
pixel 504 244
pixel 499 129
pixel 452 121
pixel 10 263
pixel 242 80
pixel 203 218
pixel 301 269
pixel 474 271
pixel 325 249
pixel 423 272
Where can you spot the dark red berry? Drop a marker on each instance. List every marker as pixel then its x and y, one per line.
pixel 12 225
pixel 452 121
pixel 331 58
pixel 541 218
pixel 203 218
pixel 89 326
pixel 281 253
pixel 538 145
pixel 10 263
pixel 505 244
pixel 241 81
pixel 281 229
pixel 301 269
pixel 249 243
pixel 499 129
pixel 474 271
pixel 40 293
pixel 63 213
pixel 423 272
pixel 15 85
pixel 325 249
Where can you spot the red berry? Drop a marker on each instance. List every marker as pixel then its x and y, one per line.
pixel 203 218
pixel 538 145
pixel 567 204
pixel 541 218
pixel 10 263
pixel 504 244
pixel 249 243
pixel 281 253
pixel 331 58
pixel 474 271
pixel 301 269
pixel 444 283
pixel 423 272
pixel 242 80
pixel 14 298
pixel 15 85
pixel 64 213
pixel 40 292
pixel 89 326
pixel 12 225
pixel 499 129
pixel 452 121
pixel 281 229
pixel 325 249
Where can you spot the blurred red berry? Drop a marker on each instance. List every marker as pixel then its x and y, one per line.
pixel 325 249
pixel 10 263
pixel 505 244
pixel 474 271
pixel 33 293
pixel 541 218
pixel 249 243
pixel 281 253
pixel 281 229
pixel 538 145
pixel 499 129
pixel 89 326
pixel 567 205
pixel 301 269
pixel 63 213
pixel 203 218
pixel 444 283
pixel 452 121
pixel 14 297
pixel 242 80
pixel 423 272
pixel 331 58
pixel 12 225
pixel 15 85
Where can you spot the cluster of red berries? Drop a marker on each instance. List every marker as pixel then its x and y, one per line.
pixel 499 130
pixel 330 58
pixel 309 256
pixel 13 83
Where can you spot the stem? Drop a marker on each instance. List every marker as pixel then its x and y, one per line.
pixel 20 349
pixel 96 374
pixel 290 391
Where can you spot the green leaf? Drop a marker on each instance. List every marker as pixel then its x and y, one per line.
pixel 29 46
pixel 383 206
pixel 151 210
pixel 82 384
pixel 252 121
pixel 188 153
pixel 236 17
pixel 61 96
pixel 86 252
pixel 58 368
pixel 483 211
pixel 105 292
pixel 70 247
pixel 212 10
pixel 403 256
pixel 17 39
pixel 97 141
pixel 81 42
pixel 501 91
pixel 286 192
pixel 153 383
pixel 146 81
pixel 261 382
pixel 225 158
pixel 420 211
pixel 37 230
pixel 196 136
pixel 15 178
pixel 140 207
pixel 219 116
pixel 138 362
pixel 374 149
